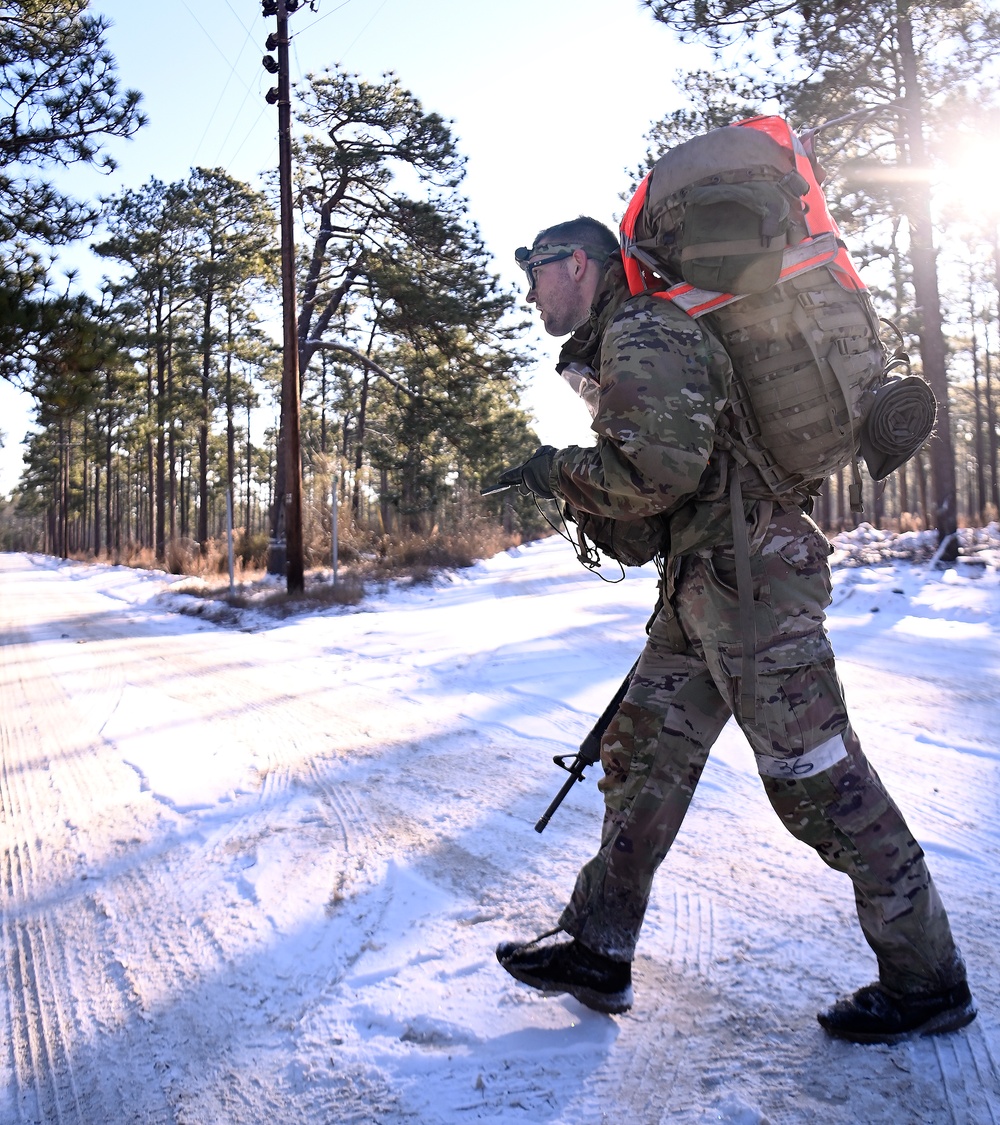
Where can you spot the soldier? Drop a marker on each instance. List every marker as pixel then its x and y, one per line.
pixel 658 386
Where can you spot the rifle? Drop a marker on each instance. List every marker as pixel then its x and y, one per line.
pixel 589 752
pixel 491 490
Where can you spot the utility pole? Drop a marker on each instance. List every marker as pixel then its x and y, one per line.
pixel 290 498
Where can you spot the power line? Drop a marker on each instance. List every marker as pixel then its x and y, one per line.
pixel 232 71
pixel 239 18
pixel 225 57
pixel 351 45
pixel 309 26
pixel 222 94
pixel 205 31
pixel 250 133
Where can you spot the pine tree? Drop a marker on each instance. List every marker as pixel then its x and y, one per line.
pixel 60 101
pixel 232 250
pixel 392 267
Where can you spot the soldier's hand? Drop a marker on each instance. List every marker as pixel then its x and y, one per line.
pixel 533 475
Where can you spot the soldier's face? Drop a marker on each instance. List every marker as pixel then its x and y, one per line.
pixel 558 295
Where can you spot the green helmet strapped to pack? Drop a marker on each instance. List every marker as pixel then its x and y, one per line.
pixel 735 222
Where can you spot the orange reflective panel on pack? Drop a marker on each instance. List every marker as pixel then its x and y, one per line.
pixel 817 214
pixel 732 228
pixel 637 278
pixel 811 228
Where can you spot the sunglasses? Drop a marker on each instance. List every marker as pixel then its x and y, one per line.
pixel 522 254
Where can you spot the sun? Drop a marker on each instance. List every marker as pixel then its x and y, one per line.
pixel 965 183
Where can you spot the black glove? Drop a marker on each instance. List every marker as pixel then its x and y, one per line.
pixel 533 475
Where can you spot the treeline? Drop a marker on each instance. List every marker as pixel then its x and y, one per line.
pixel 149 397
pixel 157 400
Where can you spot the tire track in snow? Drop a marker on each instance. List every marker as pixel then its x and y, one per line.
pixel 970 1084
pixel 171 967
pixel 692 941
pixel 36 1025
pixel 62 990
pixel 358 830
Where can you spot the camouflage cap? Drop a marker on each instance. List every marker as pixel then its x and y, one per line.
pixel 554 252
pixel 523 254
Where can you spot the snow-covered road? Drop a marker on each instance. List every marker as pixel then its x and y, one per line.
pixel 256 873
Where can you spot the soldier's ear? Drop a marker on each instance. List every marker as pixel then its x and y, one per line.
pixel 578 264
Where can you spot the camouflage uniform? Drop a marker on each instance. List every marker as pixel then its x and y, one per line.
pixel 663 391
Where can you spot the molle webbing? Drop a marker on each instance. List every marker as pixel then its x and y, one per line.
pixel 807 357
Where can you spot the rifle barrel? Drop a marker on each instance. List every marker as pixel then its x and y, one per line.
pixel 590 749
pixel 576 774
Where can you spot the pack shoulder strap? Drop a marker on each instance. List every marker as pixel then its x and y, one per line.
pixel 745 598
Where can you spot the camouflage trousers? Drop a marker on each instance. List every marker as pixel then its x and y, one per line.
pixel 686 686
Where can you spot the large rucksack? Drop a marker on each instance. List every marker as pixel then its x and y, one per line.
pixel 736 223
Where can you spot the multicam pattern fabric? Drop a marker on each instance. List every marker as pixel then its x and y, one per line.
pixel 663 383
pixel 663 393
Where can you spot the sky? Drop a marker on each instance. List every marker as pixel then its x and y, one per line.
pixel 550 99
pixel 261 868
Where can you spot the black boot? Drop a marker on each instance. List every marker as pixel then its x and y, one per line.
pixel 874 1014
pixel 567 966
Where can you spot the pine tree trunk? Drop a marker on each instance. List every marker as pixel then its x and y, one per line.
pixel 978 440
pixel 159 504
pixel 925 515
pixel 85 481
pixel 230 412
pixel 359 447
pixel 992 416
pixel 97 508
pixel 248 518
pixel 823 505
pixel 933 352
pixel 171 453
pixel 109 482
pixel 203 421
pixel 991 434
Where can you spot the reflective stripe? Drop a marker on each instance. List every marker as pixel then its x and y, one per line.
pixel 800 258
pixel 814 761
pixel 633 271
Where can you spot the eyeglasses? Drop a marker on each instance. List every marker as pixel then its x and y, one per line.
pixel 522 254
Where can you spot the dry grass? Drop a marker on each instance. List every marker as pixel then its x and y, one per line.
pixel 366 559
pixel 320 592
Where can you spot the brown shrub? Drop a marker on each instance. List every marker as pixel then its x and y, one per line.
pixel 252 550
pixel 363 557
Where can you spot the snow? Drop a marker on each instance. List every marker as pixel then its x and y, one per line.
pixel 256 872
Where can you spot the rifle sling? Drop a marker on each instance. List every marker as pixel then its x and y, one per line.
pixel 744 593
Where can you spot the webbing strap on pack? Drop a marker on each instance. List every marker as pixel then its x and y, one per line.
pixel 810 254
pixel 744 593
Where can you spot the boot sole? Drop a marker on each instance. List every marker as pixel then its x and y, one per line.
pixel 610 1003
pixel 952 1020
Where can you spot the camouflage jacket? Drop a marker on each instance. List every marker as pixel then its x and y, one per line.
pixel 662 388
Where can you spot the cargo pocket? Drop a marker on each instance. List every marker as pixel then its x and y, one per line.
pixel 799 574
pixel 799 699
